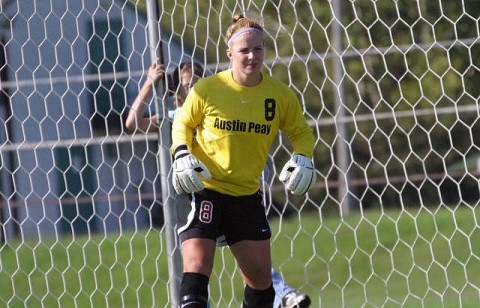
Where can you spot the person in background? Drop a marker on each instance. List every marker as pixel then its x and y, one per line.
pixel 179 84
pixel 220 143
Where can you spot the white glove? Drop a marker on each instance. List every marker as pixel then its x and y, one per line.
pixel 298 174
pixel 185 169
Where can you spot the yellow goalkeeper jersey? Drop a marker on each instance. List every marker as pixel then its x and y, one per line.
pixel 230 128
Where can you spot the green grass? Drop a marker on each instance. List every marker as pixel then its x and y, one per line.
pixel 409 258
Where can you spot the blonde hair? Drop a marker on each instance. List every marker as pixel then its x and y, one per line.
pixel 239 22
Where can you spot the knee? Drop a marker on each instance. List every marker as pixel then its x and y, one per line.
pixel 260 279
pixel 198 266
pixel 264 281
pixel 198 256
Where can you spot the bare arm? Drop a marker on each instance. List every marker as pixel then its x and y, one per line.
pixel 135 120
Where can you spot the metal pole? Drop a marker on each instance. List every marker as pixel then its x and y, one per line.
pixel 9 164
pixel 3 101
pixel 342 147
pixel 164 156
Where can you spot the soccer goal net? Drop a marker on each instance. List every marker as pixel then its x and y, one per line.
pixel 390 88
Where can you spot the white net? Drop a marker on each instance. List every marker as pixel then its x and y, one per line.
pixel 390 89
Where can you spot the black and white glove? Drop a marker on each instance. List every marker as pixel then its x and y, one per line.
pixel 185 171
pixel 298 174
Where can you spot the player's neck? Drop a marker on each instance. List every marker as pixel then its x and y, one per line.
pixel 250 80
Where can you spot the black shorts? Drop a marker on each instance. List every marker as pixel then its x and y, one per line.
pixel 214 215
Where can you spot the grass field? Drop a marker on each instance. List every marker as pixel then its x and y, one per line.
pixel 412 258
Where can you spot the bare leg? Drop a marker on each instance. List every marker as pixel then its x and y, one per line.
pixel 255 262
pixel 198 255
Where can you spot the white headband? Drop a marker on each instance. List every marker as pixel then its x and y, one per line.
pixel 240 32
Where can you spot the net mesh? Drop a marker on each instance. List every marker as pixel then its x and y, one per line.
pixel 390 89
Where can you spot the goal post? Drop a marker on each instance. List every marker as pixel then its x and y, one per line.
pixel 164 157
pixel 389 87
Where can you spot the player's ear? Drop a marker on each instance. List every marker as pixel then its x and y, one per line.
pixel 229 53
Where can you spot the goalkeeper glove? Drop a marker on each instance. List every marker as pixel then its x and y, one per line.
pixel 298 174
pixel 185 169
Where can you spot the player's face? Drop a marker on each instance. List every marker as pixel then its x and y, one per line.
pixel 246 53
pixel 188 80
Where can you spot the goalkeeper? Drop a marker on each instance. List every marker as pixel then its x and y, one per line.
pixel 235 116
pixel 178 84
